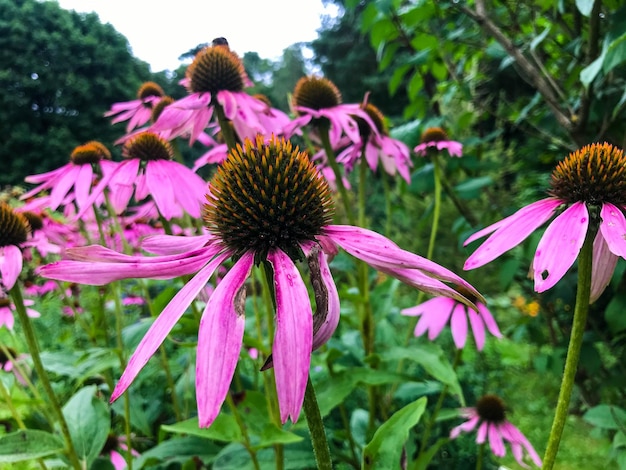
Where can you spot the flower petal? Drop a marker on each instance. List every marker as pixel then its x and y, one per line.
pixel 219 340
pixel 164 324
pixel 478 328
pixel 160 187
pixel 613 228
pixel 510 232
pixel 559 246
pixel 10 265
pixel 602 267
pixel 458 325
pixel 294 335
pixel 327 313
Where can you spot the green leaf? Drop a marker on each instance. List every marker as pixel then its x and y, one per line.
pixel 432 359
pixel 179 449
pixel 614 313
pixel 584 6
pixel 615 54
pixel 424 459
pixel 224 429
pixel 29 444
pixel 606 417
pixel 397 77
pixel 416 83
pixel 385 449
pixel 589 73
pixel 88 422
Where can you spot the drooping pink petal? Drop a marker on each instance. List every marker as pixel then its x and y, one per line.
pixel 495 441
pixel 467 426
pixel 219 340
pixel 381 253
pixel 515 436
pixel 559 246
pixel 82 185
pixel 324 330
pixel 164 324
pixel 10 265
pixel 458 325
pixel 6 318
pixel 106 266
pixel 174 244
pixel 613 228
pixel 510 232
pixel 435 314
pixel 158 183
pixel 478 328
pixel 602 267
pixel 490 322
pixel 122 184
pixel 481 434
pixel 190 190
pixel 63 184
pixel 294 335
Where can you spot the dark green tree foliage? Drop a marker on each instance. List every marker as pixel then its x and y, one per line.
pixel 59 72
pixel 347 58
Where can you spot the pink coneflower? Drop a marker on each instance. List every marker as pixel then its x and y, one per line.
pixel 490 417
pixel 137 112
pixel 8 362
pixel 148 169
pixel 588 190
pixel 266 205
pixel 14 232
pixel 436 138
pixel 393 155
pixel 7 308
pixel 317 101
pixel 78 174
pixel 216 77
pixel 112 448
pixel 436 313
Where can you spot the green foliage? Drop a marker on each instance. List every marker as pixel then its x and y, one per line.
pixel 59 72
pixel 29 444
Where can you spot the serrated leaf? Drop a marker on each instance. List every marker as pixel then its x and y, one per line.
pixel 385 449
pixel 29 444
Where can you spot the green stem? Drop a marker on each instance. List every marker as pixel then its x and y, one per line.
pixel 244 431
pixel 479 456
pixel 225 126
pixel 437 208
pixel 33 347
pixel 583 294
pixel 316 428
pixel 385 177
pixel 458 203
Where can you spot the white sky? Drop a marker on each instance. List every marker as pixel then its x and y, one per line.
pixel 160 31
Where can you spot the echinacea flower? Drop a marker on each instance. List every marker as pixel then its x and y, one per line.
pixel 14 232
pixel 489 416
pixel 318 103
pixel 267 205
pixel 7 308
pixel 148 169
pixel 436 313
pixel 137 112
pixel 436 137
pixel 588 192
pixel 113 448
pixel 216 78
pixel 86 161
pixel 376 147
pixel 12 362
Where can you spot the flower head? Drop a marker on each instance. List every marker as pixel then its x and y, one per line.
pixel 436 313
pixel 490 417
pixel 377 146
pixel 266 205
pixel 14 232
pixel 216 77
pixel 137 112
pixel 588 192
pixel 148 169
pixel 436 137
pixel 86 162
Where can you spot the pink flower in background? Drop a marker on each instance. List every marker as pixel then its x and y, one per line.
pixel 78 174
pixel 490 418
pixel 137 112
pixel 587 190
pixel 114 447
pixel 7 308
pixel 266 203
pixel 14 363
pixel 148 170
pixel 14 232
pixel 436 313
pixel 393 155
pixel 217 77
pixel 435 137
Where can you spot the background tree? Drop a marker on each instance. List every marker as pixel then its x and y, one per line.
pixel 59 72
